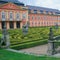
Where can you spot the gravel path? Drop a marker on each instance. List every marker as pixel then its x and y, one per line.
pixel 42 49
pixel 38 50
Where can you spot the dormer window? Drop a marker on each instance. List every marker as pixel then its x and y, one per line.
pixel 54 13
pixel 11 16
pixel 29 11
pixel 3 14
pixel 51 13
pixel 47 12
pixel 41 11
pixel 35 11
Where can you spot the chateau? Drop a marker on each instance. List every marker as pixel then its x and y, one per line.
pixel 15 14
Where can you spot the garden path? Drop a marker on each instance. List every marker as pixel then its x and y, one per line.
pixel 42 49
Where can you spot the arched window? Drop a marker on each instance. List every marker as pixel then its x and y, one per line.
pixel 17 16
pixel 11 16
pixel 3 14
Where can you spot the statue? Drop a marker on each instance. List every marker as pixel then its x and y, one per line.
pixel 51 43
pixel 25 29
pixel 5 39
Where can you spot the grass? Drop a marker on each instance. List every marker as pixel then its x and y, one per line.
pixel 8 55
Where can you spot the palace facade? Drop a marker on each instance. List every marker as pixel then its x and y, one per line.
pixel 15 14
pixel 40 16
pixel 12 13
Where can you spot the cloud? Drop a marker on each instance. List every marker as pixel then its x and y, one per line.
pixel 44 3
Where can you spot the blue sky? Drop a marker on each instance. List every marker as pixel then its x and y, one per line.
pixel 43 3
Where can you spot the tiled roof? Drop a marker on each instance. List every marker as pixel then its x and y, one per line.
pixel 13 1
pixel 43 9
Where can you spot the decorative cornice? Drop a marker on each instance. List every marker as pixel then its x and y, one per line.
pixel 19 7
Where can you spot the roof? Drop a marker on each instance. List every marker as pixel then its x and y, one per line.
pixel 13 1
pixel 42 9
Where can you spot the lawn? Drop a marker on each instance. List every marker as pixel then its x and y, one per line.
pixel 8 55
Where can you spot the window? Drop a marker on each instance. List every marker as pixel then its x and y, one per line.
pixel 17 16
pixel 51 13
pixel 11 24
pixel 58 18
pixel 39 22
pixel 3 24
pixel 38 17
pixel 41 11
pixel 35 23
pixel 3 15
pixel 45 17
pixel 44 22
pixel 29 11
pixel 24 15
pixel 28 17
pixel 18 24
pixel 32 17
pixel 11 16
pixel 35 11
pixel 47 23
pixel 47 12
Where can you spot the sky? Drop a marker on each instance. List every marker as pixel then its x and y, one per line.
pixel 55 4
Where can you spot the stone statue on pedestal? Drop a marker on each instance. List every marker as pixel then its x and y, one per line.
pixel 5 43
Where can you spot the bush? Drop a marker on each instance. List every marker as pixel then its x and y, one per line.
pixel 29 44
pixel 34 34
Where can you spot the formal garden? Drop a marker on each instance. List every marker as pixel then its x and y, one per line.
pixel 36 36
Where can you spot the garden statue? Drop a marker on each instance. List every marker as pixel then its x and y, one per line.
pixel 51 44
pixel 25 29
pixel 5 43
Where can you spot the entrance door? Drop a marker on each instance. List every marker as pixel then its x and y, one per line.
pixel 3 24
pixel 11 24
pixel 18 24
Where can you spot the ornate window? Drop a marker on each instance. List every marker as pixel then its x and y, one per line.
pixel 24 16
pixel 17 16
pixel 3 14
pixel 11 16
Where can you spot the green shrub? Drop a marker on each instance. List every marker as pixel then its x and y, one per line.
pixel 34 34
pixel 28 45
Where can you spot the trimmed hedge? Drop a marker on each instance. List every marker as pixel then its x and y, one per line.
pixel 34 37
pixel 30 44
